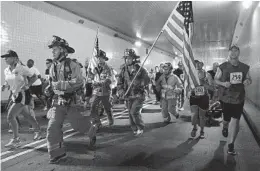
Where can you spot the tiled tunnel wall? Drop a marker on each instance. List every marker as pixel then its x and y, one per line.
pixel 249 42
pixel 28 31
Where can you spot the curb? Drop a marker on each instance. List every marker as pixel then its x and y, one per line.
pixel 252 127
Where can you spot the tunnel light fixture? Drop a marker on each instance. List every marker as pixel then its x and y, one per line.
pixel 138 35
pixel 138 44
pixel 247 4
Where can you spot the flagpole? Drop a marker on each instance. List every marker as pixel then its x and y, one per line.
pixel 162 30
pixel 92 53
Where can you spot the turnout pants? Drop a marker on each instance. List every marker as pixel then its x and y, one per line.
pixel 56 116
pixel 95 118
pixel 168 107
pixel 134 108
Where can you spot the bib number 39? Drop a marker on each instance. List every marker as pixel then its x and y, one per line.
pixel 236 77
pixel 199 91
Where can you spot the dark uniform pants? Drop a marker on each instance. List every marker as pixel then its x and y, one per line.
pixel 134 108
pixel 95 118
pixel 56 117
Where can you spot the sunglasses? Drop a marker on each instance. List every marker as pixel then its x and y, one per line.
pixel 47 62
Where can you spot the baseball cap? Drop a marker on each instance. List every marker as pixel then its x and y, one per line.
pixel 10 53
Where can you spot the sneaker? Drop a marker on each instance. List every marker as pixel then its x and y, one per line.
pixel 225 132
pixel 135 132
pixel 231 149
pixel 181 109
pixel 193 132
pixel 10 131
pixel 111 122
pixel 37 136
pixel 167 120
pixel 13 143
pixel 202 136
pixel 45 108
pixel 156 103
pixel 139 132
pixel 57 159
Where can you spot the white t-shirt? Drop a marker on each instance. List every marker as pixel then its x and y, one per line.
pixel 36 72
pixel 17 78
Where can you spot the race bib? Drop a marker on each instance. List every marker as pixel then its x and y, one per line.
pixel 200 91
pixel 236 77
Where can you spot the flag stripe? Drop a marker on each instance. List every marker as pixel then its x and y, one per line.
pixel 175 30
pixel 174 39
pixel 178 19
pixel 191 68
pixel 175 23
pixel 188 47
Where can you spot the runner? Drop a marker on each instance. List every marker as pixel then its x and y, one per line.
pixel 19 78
pixel 232 77
pixel 136 96
pixel 170 86
pixel 199 100
pixel 65 80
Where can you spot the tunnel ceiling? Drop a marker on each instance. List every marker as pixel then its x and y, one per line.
pixel 214 22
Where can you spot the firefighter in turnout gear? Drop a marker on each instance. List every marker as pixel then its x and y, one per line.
pixel 170 86
pixel 136 96
pixel 65 80
pixel 102 90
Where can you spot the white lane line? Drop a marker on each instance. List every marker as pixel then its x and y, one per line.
pixel 35 142
pixel 30 144
pixel 28 151
pixel 45 144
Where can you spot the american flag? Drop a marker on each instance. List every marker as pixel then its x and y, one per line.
pixel 94 61
pixel 178 29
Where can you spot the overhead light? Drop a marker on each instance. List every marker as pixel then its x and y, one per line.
pixel 138 35
pixel 247 4
pixel 109 54
pixel 176 53
pixel 138 44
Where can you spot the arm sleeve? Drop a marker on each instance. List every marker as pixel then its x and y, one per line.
pixel 146 78
pixel 25 71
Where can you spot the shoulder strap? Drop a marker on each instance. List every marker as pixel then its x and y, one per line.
pixel 67 63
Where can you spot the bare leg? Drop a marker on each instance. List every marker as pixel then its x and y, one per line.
pixel 235 129
pixel 14 110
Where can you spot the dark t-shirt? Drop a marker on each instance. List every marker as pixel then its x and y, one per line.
pixel 236 75
pixel 212 73
pixel 178 72
pixel 47 72
pixel 158 75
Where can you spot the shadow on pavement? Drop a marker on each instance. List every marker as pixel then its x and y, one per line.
pixel 161 158
pixel 218 161
pixel 116 140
